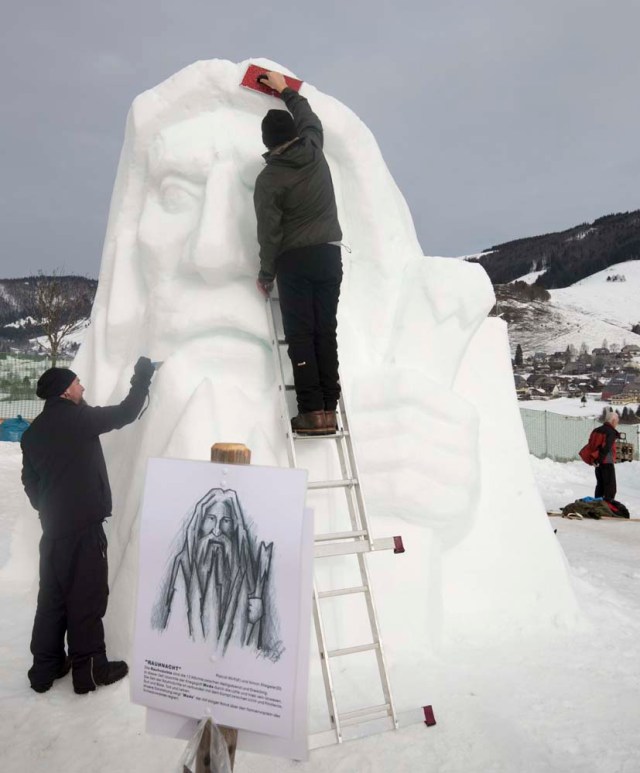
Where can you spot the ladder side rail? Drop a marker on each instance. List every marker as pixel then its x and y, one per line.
pixel 324 664
pixel 352 500
pixel 355 471
pixel 279 373
pixel 375 627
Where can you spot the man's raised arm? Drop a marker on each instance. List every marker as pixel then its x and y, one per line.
pixel 305 120
pixel 98 420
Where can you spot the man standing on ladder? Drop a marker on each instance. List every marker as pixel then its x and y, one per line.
pixel 299 236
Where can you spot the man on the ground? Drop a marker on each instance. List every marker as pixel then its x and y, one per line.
pixel 65 477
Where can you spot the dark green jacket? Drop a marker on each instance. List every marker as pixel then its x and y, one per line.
pixel 294 199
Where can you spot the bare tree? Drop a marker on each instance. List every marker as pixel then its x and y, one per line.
pixel 61 308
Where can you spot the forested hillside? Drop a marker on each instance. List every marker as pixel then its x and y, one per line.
pixel 566 257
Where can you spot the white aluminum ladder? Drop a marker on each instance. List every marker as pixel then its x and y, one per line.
pixel 357 542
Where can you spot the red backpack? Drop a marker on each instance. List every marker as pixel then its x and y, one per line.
pixel 591 451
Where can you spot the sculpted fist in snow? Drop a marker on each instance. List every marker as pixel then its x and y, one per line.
pixel 420 442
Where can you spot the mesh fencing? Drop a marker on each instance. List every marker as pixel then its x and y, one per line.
pixel 549 435
pixel 554 436
pixel 18 378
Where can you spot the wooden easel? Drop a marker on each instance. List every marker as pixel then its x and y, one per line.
pixel 223 453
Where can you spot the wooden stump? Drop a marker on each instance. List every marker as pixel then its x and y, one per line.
pixel 230 453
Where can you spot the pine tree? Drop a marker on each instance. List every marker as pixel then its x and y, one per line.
pixel 605 344
pixel 519 359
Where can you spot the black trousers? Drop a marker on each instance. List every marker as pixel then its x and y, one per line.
pixel 309 281
pixel 72 599
pixel 606 481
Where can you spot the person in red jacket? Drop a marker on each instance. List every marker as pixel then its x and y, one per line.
pixel 605 461
pixel 65 477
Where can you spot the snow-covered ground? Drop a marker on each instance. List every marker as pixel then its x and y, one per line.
pixel 531 277
pixel 569 705
pixel 571 406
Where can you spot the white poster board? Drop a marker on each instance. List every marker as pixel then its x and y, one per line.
pixel 218 620
pixel 297 746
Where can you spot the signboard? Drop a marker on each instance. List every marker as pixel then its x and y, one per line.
pixel 219 615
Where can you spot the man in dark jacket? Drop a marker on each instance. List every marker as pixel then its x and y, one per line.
pixel 605 463
pixel 299 236
pixel 65 477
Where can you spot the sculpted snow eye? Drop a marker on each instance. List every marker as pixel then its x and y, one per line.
pixel 178 196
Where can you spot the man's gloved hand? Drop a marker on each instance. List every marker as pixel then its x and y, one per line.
pixel 264 283
pixel 143 371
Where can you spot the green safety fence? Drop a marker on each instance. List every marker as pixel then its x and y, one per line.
pixel 19 375
pixel 554 436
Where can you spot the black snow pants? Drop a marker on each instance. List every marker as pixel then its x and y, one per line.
pixel 309 281
pixel 72 599
pixel 606 481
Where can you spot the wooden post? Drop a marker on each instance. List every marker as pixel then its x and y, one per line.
pixel 223 453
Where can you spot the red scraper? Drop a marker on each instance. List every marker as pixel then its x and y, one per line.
pixel 254 72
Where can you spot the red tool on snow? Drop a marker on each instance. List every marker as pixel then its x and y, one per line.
pixel 252 81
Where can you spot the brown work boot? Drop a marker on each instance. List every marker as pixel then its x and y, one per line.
pixel 311 423
pixel 331 422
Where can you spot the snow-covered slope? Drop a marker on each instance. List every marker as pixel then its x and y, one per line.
pixel 614 302
pixel 590 311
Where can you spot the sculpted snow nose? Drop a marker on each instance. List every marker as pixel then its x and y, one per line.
pixel 218 249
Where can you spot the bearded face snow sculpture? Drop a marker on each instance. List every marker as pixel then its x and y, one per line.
pixel 177 284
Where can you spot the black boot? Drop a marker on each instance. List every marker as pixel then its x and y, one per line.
pixel 63 671
pixel 96 672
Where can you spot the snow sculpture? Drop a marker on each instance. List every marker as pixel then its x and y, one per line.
pixel 442 451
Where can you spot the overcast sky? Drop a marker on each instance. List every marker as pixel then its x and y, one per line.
pixel 498 118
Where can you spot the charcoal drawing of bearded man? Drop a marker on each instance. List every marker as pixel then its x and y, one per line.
pixel 217 584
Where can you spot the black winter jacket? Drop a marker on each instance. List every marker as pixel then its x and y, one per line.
pixel 294 198
pixel 63 467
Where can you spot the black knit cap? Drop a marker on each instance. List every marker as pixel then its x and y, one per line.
pixel 277 128
pixel 53 382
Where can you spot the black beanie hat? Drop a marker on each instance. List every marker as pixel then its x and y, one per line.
pixel 277 128
pixel 53 382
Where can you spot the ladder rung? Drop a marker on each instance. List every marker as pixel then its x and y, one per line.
pixel 327 594
pixel 282 341
pixel 353 650
pixel 340 535
pixel 365 715
pixel 321 484
pixel 333 436
pixel 329 549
